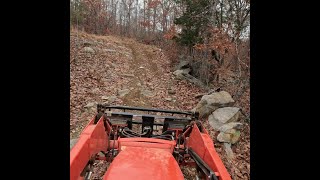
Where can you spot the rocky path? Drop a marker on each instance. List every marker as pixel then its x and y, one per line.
pixel 120 71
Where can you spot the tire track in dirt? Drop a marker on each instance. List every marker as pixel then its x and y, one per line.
pixel 144 68
pixel 134 97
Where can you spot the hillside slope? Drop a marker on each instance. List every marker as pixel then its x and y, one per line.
pixel 121 71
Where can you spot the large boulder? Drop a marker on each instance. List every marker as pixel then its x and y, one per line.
pixel 210 103
pixel 222 116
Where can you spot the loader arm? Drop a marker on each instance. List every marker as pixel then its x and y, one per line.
pixel 202 149
pixel 93 139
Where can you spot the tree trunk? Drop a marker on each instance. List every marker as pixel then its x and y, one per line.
pixel 144 16
pixel 221 5
pixel 137 3
pixel 213 12
pixel 154 19
pixel 115 18
pixel 148 14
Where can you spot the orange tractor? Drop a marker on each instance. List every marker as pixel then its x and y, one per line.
pixel 149 145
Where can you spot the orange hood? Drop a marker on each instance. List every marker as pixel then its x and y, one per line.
pixel 139 163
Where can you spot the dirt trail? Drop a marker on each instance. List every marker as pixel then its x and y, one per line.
pixel 138 64
pixel 116 64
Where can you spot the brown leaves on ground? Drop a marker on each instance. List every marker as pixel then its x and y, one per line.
pixel 99 168
pixel 100 73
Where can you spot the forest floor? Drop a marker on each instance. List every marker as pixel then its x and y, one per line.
pixel 125 72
